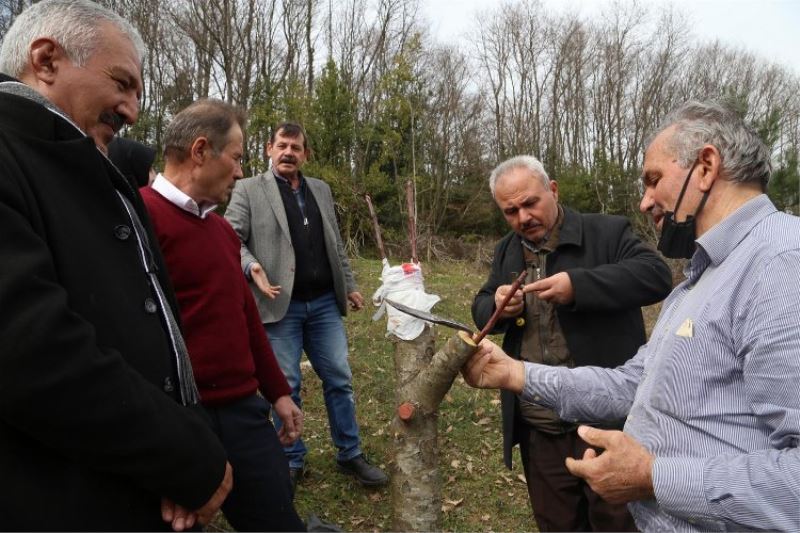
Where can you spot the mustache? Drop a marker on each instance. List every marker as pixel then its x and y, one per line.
pixel 288 159
pixel 530 224
pixel 115 120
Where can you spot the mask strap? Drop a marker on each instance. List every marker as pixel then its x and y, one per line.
pixel 702 202
pixel 683 189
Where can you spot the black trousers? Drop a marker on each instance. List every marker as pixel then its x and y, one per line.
pixel 561 501
pixel 261 498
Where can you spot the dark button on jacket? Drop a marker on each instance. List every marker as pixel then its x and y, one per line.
pixel 150 306
pixel 122 232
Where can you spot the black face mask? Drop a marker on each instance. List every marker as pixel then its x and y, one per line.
pixel 677 238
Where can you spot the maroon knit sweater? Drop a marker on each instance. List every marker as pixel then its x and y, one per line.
pixel 228 346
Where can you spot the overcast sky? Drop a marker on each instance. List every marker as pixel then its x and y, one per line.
pixel 768 28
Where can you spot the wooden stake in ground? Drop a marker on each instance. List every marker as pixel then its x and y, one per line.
pixel 376 227
pixel 411 208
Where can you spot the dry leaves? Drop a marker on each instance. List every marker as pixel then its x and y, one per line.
pixel 449 505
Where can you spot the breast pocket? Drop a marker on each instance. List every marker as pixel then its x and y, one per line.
pixel 676 389
pixel 694 371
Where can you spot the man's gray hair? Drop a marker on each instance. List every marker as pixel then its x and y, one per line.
pixel 73 24
pixel 521 161
pixel 209 118
pixel 745 157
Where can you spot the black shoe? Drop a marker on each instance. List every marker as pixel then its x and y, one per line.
pixel 315 524
pixel 366 473
pixel 294 477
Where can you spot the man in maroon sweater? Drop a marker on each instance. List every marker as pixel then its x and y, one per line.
pixel 230 353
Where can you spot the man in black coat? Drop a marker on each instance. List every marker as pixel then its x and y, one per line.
pixel 588 276
pixel 99 428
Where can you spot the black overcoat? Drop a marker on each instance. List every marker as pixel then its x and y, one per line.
pixel 91 434
pixel 613 275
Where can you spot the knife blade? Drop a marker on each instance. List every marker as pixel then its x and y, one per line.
pixel 428 317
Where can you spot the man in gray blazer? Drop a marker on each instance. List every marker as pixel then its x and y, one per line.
pixel 293 254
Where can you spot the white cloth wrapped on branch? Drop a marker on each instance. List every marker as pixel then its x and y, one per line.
pixel 402 284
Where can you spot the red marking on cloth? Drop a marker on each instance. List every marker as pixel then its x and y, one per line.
pixel 409 268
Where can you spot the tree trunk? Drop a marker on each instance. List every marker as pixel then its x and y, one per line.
pixel 422 380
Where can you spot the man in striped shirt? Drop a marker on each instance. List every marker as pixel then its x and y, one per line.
pixel 712 402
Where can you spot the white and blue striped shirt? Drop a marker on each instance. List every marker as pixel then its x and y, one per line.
pixel 715 394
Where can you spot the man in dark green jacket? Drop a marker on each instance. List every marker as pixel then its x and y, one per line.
pixel 588 277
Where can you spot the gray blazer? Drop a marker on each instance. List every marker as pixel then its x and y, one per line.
pixel 257 215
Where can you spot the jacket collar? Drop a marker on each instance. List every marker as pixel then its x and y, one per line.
pixel 9 85
pixel 269 185
pixel 571 229
pixel 42 118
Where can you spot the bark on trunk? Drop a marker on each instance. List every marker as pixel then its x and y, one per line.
pixel 423 378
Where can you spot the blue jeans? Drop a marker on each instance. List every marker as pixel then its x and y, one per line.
pixel 316 327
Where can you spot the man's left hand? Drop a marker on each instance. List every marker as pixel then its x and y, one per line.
pixel 356 301
pixel 177 516
pixel 623 471
pixel 291 417
pixel 556 289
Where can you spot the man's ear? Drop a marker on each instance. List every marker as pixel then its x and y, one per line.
pixel 554 189
pixel 44 57
pixel 200 148
pixel 710 162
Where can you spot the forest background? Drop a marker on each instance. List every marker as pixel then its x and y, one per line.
pixel 385 102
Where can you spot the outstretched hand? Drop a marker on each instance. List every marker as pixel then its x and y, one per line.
pixel 621 473
pixel 490 368
pixel 262 282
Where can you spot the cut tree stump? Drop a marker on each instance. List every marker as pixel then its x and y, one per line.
pixel 422 379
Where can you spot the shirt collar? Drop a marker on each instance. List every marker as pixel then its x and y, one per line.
pixel 720 241
pixel 281 179
pixel 174 195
